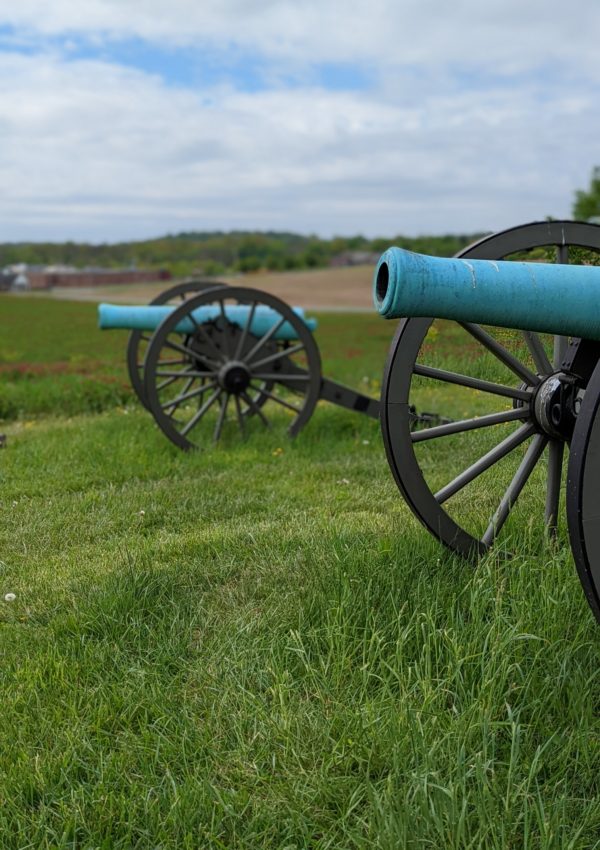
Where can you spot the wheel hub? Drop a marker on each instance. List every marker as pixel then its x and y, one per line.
pixel 234 377
pixel 556 405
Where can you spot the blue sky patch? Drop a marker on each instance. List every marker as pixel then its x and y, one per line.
pixel 190 67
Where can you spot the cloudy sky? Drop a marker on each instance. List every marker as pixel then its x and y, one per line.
pixel 124 119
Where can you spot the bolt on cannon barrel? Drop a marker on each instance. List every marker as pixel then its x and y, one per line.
pixel 556 299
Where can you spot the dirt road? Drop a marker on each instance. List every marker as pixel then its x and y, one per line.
pixel 324 289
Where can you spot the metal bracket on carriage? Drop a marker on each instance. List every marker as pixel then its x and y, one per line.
pixel 581 358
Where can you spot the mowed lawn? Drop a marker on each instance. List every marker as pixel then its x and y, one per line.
pixel 258 646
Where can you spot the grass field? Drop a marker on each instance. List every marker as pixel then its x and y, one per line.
pixel 259 647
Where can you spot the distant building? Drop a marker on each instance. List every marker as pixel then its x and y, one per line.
pixel 20 282
pixel 46 277
pixel 354 258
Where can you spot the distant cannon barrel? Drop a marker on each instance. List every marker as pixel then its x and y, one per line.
pixel 551 298
pixel 148 318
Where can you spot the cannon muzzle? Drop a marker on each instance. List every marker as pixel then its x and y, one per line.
pixel 111 316
pixel 551 298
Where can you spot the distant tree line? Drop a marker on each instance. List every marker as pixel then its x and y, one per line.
pixel 219 253
pixel 216 252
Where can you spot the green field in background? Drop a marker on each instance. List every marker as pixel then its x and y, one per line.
pixel 53 358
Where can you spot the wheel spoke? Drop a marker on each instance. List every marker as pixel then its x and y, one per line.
pixel 178 362
pixel 468 381
pixel 280 376
pixel 276 398
pixel 245 332
pixel 264 339
pixel 240 415
pixel 168 383
pixel 498 350
pixel 226 326
pixel 221 419
pixel 493 456
pixel 526 467
pixel 538 352
pixel 469 424
pixel 555 459
pixel 171 407
pixel 200 412
pixel 285 352
pixel 185 396
pixel 256 409
pixel 183 349
pixel 188 373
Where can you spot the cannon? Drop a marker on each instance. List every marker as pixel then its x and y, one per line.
pixel 514 348
pixel 149 318
pixel 206 357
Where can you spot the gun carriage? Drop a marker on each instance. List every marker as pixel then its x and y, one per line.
pixel 516 346
pixel 206 356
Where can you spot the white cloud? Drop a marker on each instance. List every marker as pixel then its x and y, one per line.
pixel 506 34
pixel 96 150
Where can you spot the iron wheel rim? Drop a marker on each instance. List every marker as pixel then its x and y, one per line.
pixel 583 505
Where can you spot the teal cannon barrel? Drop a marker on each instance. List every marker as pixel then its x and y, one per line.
pixel 113 316
pixel 550 298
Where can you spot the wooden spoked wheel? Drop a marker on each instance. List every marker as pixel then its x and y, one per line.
pixel 208 377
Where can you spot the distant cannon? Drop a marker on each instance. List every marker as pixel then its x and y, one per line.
pixel 526 382
pixel 207 357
